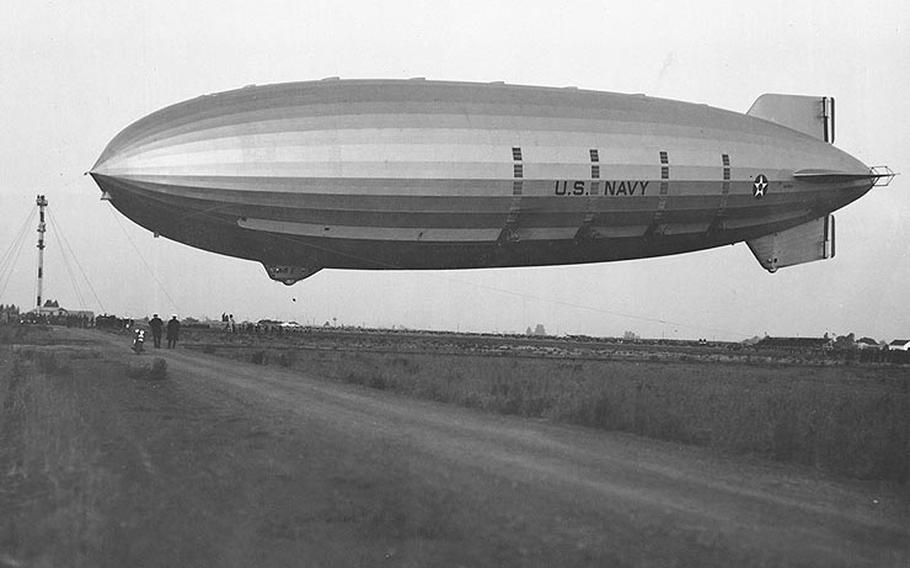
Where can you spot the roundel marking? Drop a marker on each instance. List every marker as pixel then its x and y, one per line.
pixel 760 186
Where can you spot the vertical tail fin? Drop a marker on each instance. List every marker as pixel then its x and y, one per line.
pixel 805 243
pixel 810 115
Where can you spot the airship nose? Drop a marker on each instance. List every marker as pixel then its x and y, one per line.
pixel 121 165
pixel 101 171
pixel 111 152
pixel 102 185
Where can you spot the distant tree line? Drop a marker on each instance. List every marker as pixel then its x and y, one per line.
pixel 538 331
pixel 9 314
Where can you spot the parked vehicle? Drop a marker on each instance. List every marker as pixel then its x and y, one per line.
pixel 139 341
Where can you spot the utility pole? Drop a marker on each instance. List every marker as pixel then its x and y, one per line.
pixel 42 203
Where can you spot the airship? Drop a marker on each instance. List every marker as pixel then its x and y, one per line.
pixel 418 174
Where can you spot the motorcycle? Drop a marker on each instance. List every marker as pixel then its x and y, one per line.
pixel 138 341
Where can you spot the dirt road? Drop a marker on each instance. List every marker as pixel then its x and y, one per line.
pixel 232 464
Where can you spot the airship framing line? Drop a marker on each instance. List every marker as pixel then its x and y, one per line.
pixel 406 174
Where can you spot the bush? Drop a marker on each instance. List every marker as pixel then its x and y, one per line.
pixel 378 381
pixel 158 372
pixel 258 357
pixel 154 371
pixel 287 358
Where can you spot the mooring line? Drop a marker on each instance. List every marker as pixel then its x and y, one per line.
pixel 142 258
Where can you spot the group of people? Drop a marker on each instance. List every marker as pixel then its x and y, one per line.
pixel 156 325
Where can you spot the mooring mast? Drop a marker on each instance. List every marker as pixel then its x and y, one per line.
pixel 42 203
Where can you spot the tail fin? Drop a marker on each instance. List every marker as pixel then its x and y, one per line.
pixel 810 115
pixel 804 243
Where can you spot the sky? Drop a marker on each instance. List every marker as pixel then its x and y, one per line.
pixel 73 74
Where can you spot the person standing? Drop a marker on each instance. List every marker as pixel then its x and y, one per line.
pixel 173 332
pixel 156 325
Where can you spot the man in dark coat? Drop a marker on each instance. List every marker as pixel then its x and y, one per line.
pixel 173 332
pixel 156 325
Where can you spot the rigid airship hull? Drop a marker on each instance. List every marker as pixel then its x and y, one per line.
pixel 420 174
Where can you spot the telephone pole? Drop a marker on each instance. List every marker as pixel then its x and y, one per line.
pixel 42 203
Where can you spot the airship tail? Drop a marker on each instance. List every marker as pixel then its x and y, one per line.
pixel 814 240
pixel 801 244
pixel 810 115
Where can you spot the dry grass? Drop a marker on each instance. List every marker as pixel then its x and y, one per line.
pixel 12 334
pixel 850 420
pixel 45 449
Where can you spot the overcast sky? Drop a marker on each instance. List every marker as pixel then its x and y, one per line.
pixel 73 74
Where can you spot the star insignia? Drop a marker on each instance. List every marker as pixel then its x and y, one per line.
pixel 760 186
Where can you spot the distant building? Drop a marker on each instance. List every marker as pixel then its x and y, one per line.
pixel 51 308
pixel 52 312
pixel 867 343
pixel 899 345
pixel 796 343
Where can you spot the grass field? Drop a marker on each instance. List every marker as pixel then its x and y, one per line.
pixel 44 450
pixel 112 459
pixel 852 420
